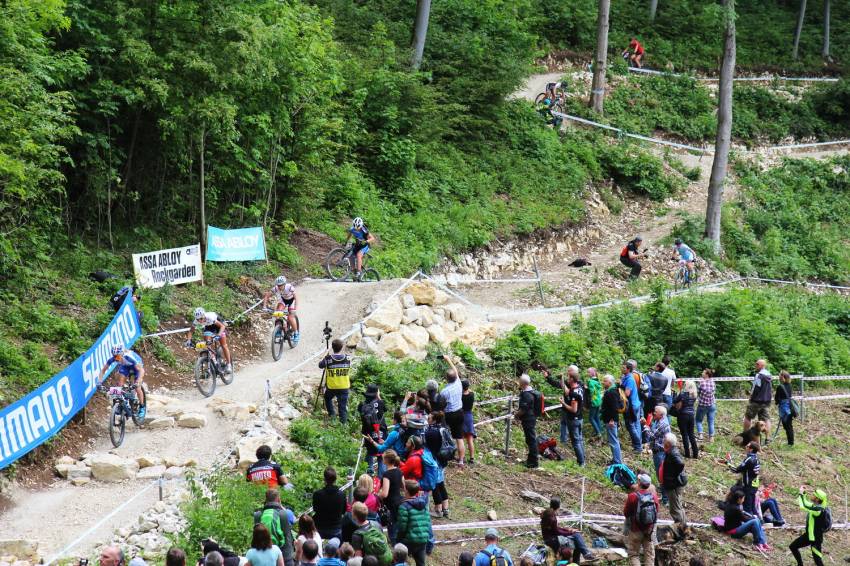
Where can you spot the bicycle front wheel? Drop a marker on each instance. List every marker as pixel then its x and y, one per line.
pixel 117 424
pixel 679 280
pixel 204 377
pixel 277 341
pixel 370 275
pixel 338 264
pixel 538 100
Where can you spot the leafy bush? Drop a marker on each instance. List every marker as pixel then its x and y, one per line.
pixel 639 171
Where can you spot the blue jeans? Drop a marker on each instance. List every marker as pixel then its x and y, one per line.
pixel 564 428
pixel 579 547
pixel 668 400
pixel 770 508
pixel 703 411
pixel 614 443
pixel 577 439
pixel 634 430
pixel 753 526
pixel 341 396
pixel 595 421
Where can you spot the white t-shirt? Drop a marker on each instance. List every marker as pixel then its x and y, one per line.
pixel 671 377
pixel 316 537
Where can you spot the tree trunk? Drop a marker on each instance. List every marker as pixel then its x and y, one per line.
pixel 826 14
pixel 600 59
pixel 420 31
pixel 724 130
pixel 203 196
pixel 799 30
pixel 653 7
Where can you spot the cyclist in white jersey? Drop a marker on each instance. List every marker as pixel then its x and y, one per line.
pixel 209 322
pixel 285 299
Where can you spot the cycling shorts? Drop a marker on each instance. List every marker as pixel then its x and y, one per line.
pixel 286 304
pixel 358 248
pixel 128 371
pixel 215 330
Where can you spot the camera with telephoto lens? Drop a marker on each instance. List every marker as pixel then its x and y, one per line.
pixel 327 331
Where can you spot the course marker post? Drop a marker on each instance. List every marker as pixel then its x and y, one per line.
pixel 802 398
pixel 539 282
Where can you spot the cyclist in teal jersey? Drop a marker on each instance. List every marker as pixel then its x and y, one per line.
pixel 362 239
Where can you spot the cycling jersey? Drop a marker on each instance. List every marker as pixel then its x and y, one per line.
pixel 265 471
pixel 638 48
pixel 129 364
pixel 686 253
pixel 208 323
pixel 285 294
pixel 361 235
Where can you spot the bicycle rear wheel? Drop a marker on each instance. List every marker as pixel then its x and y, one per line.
pixel 277 341
pixel 679 280
pixel 289 332
pixel 539 99
pixel 338 264
pixel 225 374
pixel 117 424
pixel 204 377
pixel 370 275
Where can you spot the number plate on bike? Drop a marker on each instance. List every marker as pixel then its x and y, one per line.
pixel 279 314
pixel 115 391
pixel 201 346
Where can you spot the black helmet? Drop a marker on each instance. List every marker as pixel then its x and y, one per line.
pixel 678 241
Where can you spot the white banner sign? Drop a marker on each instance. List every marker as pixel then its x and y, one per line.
pixel 175 267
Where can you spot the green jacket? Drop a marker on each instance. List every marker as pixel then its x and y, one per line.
pixel 595 388
pixel 414 521
pixel 814 529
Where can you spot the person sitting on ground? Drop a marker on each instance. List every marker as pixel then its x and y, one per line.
pixel 787 412
pixel 738 523
pixel 630 254
pixel 265 471
pixel 262 551
pixel 278 520
pixel 400 555
pixel 553 533
pixel 329 507
pixel 816 524
pixel 414 522
pixel 309 553
pixel 491 550
pixel 634 53
pixel 749 469
pixel 641 513
pixel 368 539
pixel 329 554
pixel 769 506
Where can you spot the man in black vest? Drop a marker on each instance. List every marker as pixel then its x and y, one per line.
pixel 529 407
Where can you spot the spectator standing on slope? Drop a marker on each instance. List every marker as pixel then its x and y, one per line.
pixel 610 416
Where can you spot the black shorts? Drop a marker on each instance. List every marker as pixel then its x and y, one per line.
pixel 440 494
pixel 455 422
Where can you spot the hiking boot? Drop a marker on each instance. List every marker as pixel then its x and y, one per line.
pixel 445 513
pixel 700 437
pixel 472 461
pixel 589 558
pixel 710 439
pixel 436 514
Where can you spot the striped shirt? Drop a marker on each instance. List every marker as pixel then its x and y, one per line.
pixel 706 389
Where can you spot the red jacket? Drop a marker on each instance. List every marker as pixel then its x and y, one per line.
pixel 630 509
pixel 411 468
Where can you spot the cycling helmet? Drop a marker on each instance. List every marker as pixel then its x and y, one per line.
pixel 280 280
pixel 357 224
pixel 117 350
pixel 200 313
pixel 678 241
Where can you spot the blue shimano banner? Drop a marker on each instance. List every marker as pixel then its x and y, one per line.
pixel 243 244
pixel 30 421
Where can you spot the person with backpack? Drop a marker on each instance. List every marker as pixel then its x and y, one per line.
pixel 571 407
pixel 493 554
pixel 673 481
pixel 530 407
pixel 818 522
pixel 641 513
pixel 337 366
pixel 329 507
pixel 655 431
pixel 610 412
pixel 657 383
pixel 785 404
pixel 467 402
pixel 395 440
pixel 633 412
pixel 453 395
pixel 278 522
pixel 371 411
pixel 369 539
pixel 411 468
pixel 441 445
pixel 749 468
pixel 593 401
pixel 414 522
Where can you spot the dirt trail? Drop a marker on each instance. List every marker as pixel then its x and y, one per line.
pixel 60 513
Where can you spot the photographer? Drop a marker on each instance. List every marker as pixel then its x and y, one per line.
pixel 337 366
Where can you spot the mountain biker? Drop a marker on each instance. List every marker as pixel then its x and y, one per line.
pixel 685 255
pixel 284 294
pixel 129 365
pixel 629 256
pixel 634 53
pixel 362 239
pixel 209 322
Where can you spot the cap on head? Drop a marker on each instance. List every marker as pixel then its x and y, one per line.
pixel 820 494
pixel 638 238
pixel 644 480
pixel 491 533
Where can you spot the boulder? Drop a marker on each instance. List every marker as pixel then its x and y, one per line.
pixel 412 314
pixel 174 472
pixel 247 447
pixel 160 422
pixel 192 420
pixel 373 332
pixel 456 311
pixel 439 319
pixel 440 297
pixel 65 460
pixel 151 472
pixel 422 293
pixel 368 345
pixel 80 471
pixel 288 412
pixel 232 409
pixel 148 461
pixel 471 335
pixel 20 548
pixel 492 515
pixel 353 339
pixel 407 301
pixel 109 467
pixel 416 336
pixel 387 318
pixel 395 345
pixel 426 316
pixel 174 410
pixel 438 335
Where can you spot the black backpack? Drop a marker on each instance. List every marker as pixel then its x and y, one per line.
pixel 539 402
pixel 118 298
pixel 447 446
pixel 826 519
pixel 496 558
pixel 646 514
pixel 370 419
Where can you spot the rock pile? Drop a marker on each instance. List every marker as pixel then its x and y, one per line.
pixel 18 552
pixel 165 412
pixel 421 315
pixel 109 467
pixel 149 536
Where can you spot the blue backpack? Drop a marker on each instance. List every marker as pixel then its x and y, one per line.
pixel 621 475
pixel 431 472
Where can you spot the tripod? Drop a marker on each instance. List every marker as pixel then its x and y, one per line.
pixel 327 332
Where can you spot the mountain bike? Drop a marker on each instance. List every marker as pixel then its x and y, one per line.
pixel 558 104
pixel 341 263
pixel 125 405
pixel 282 332
pixel 210 364
pixel 684 277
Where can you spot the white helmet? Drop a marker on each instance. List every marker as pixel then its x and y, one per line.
pixel 280 280
pixel 357 224
pixel 200 313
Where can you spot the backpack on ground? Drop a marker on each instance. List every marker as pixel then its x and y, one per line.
pixel 448 447
pixel 537 553
pixel 646 513
pixel 375 543
pixel 277 523
pixel 430 472
pixel 621 475
pixel 496 558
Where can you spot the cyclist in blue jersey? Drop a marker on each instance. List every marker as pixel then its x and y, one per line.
pixel 684 254
pixel 129 364
pixel 362 239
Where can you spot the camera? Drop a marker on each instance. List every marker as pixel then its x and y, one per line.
pixel 327 331
pixel 83 562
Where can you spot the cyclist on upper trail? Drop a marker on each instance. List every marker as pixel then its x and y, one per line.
pixel 209 322
pixel 684 254
pixel 362 239
pixel 129 364
pixel 634 53
pixel 284 293
pixel 629 256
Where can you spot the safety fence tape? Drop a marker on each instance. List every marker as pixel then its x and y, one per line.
pixel 485 281
pixel 187 328
pixel 766 78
